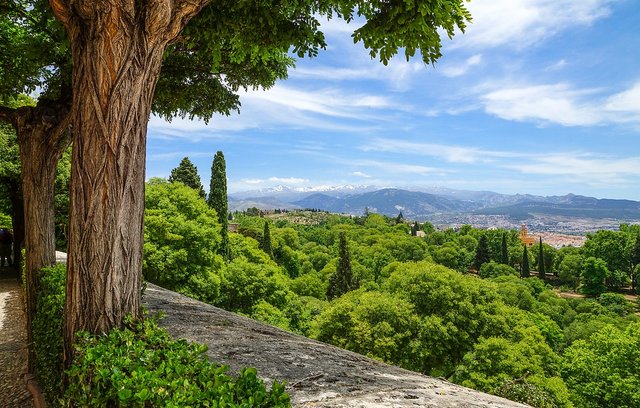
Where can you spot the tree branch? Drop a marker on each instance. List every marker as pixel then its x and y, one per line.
pixel 61 11
pixel 183 12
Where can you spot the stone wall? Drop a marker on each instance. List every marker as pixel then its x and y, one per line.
pixel 317 374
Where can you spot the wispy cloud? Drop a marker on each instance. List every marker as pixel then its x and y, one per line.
pixel 589 168
pixel 448 153
pixel 452 70
pixel 361 174
pixel 398 168
pixel 561 104
pixel 522 23
pixel 288 180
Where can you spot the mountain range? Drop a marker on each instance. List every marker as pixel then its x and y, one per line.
pixel 424 203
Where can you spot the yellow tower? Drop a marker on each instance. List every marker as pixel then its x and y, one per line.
pixel 525 238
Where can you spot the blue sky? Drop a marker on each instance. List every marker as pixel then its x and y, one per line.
pixel 539 97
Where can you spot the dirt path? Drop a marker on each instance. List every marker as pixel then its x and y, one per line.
pixel 13 352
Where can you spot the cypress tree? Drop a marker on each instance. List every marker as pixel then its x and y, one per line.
pixel 635 261
pixel 482 252
pixel 343 280
pixel 541 269
pixel 265 244
pixel 187 174
pixel 525 264
pixel 218 199
pixel 399 218
pixel 505 252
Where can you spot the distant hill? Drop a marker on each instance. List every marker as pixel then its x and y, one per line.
pixel 570 206
pixel 447 204
pixel 387 201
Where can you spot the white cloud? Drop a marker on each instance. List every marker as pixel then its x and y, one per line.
pixel 560 103
pixel 450 70
pixel 556 103
pixel 288 180
pixel 402 168
pixel 361 174
pixel 626 101
pixel 452 154
pixel 558 65
pixel 252 181
pixel 521 23
pixel 583 167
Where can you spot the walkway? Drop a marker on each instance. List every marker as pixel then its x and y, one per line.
pixel 13 352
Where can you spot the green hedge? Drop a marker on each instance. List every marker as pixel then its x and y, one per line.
pixel 47 331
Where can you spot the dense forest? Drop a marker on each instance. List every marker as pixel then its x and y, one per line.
pixel 451 303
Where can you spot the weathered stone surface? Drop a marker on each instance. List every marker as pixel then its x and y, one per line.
pixel 318 375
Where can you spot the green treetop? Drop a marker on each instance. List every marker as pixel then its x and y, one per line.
pixel 343 280
pixel 541 268
pixel 265 243
pixel 482 252
pixel 187 174
pixel 218 199
pixel 504 251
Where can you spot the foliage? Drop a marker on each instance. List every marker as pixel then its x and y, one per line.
pixel 570 268
pixel 265 243
pixel 343 280
pixel 603 370
pixel 142 366
pixel 615 303
pixel 594 272
pixel 47 330
pixel 375 324
pixel 187 174
pixel 482 252
pixel 181 236
pixel 493 269
pixel 218 200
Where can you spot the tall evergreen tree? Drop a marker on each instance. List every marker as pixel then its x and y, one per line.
pixel 541 269
pixel 482 252
pixel 187 174
pixel 399 218
pixel 524 271
pixel 505 251
pixel 265 244
pixel 218 199
pixel 635 261
pixel 343 280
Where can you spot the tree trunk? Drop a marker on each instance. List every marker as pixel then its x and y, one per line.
pixel 42 137
pixel 117 49
pixel 115 69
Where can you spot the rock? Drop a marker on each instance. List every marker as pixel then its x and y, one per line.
pixel 317 374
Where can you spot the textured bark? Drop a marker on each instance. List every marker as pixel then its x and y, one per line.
pixel 117 49
pixel 42 137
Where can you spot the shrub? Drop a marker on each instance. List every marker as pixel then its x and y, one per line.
pixel 142 366
pixel 47 330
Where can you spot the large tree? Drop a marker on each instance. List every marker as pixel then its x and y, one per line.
pixel 218 200
pixel 117 50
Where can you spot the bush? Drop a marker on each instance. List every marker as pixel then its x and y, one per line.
pixel 47 330
pixel 142 366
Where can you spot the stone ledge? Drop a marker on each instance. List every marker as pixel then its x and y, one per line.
pixel 317 374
